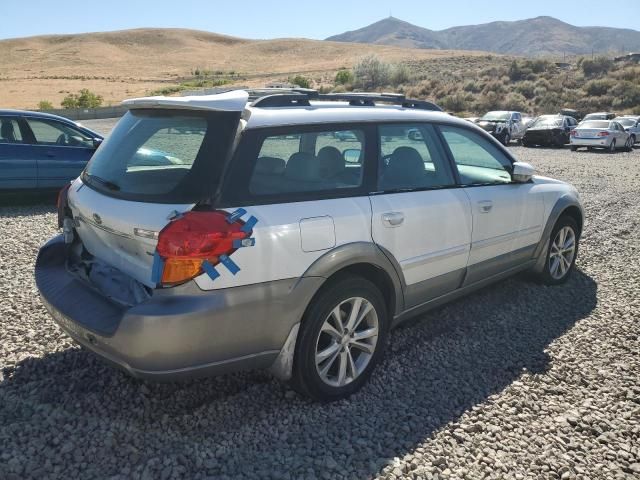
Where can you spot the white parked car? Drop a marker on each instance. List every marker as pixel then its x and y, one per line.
pixel 632 125
pixel 265 241
pixel 606 134
pixel 505 126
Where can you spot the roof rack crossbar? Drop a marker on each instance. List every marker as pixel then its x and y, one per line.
pixel 282 100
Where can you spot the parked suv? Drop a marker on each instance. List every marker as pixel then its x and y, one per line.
pixel 505 126
pixel 208 235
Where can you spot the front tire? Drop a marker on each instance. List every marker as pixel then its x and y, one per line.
pixel 342 338
pixel 562 252
pixel 506 139
pixel 574 148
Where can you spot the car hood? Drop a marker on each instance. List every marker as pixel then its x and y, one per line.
pixel 490 125
pixel 542 129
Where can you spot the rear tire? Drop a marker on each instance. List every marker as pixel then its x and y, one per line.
pixel 562 252
pixel 342 338
pixel 612 147
pixel 574 148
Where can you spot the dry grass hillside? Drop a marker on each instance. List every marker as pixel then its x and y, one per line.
pixel 129 63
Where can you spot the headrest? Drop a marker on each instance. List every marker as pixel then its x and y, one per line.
pixel 302 166
pixel 331 162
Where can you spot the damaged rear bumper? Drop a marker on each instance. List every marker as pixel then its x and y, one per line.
pixel 177 332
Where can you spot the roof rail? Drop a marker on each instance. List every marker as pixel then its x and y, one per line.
pixel 282 100
pixel 302 97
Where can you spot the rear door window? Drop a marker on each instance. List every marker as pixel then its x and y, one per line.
pixel 165 156
pixel 10 131
pixel 50 132
pixel 315 161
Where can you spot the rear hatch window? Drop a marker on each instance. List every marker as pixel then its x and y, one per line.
pixel 163 155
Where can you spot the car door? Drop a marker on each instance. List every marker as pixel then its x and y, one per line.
pixel 507 216
pixel 621 134
pixel 419 218
pixel 18 167
pixel 61 151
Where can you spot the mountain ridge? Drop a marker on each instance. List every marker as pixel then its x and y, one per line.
pixel 539 36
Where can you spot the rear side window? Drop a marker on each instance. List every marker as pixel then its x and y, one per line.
pixel 478 161
pixel 164 156
pixel 10 131
pixel 300 162
pixel 49 132
pixel 411 158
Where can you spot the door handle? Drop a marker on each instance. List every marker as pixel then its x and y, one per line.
pixel 392 219
pixel 485 206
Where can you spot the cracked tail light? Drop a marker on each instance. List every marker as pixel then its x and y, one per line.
pixel 193 238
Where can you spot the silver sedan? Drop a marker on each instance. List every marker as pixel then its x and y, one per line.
pixel 606 134
pixel 632 125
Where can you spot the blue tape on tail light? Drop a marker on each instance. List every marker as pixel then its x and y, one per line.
pixel 244 242
pixel 230 264
pixel 236 215
pixel 157 268
pixel 210 270
pixel 247 227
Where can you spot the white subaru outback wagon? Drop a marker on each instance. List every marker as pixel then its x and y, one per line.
pixel 209 234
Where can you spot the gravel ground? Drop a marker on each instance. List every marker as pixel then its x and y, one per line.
pixel 517 381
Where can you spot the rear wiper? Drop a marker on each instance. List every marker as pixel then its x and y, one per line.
pixel 107 183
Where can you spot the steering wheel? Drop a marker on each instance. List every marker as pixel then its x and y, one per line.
pixel 62 139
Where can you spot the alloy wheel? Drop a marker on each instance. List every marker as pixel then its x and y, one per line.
pixel 347 341
pixel 563 251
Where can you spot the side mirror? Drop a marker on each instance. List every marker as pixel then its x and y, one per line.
pixel 522 172
pixel 97 142
pixel 352 155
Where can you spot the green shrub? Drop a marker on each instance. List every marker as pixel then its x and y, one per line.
pixel 83 99
pixel 473 86
pixel 526 89
pixel 400 75
pixel 514 101
pixel 596 88
pixel 344 77
pixel 371 73
pixel 45 105
pixel 300 81
pixel 597 66
pixel 454 103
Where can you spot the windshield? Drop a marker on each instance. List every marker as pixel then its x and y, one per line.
pixel 167 156
pixel 626 122
pixel 601 124
pixel 496 116
pixel 547 122
pixel 596 116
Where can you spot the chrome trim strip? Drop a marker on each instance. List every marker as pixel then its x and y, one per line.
pixel 421 260
pixel 488 242
pixel 103 228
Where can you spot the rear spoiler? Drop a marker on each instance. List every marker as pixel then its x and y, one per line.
pixel 233 101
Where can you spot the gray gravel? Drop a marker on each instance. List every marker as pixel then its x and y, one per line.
pixel 517 381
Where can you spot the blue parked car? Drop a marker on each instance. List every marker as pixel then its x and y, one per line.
pixel 42 151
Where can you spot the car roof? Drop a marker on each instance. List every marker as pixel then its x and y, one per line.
pixel 314 112
pixel 341 112
pixel 28 113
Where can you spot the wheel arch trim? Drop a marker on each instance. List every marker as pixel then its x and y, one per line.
pixel 565 202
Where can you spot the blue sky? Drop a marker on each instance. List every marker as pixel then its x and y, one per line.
pixel 319 19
